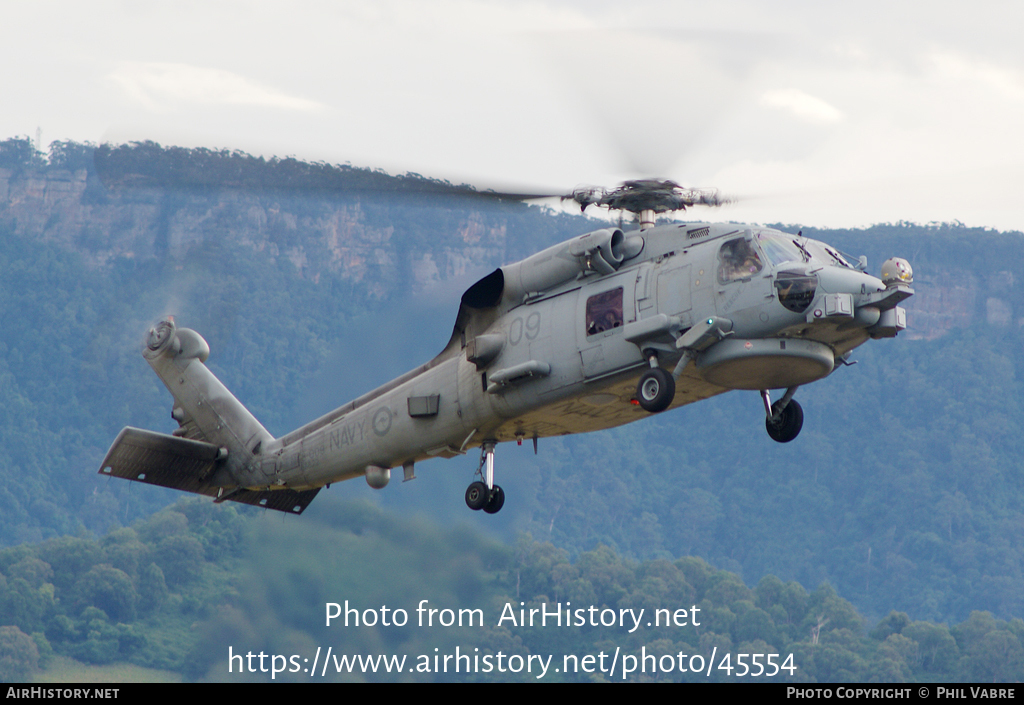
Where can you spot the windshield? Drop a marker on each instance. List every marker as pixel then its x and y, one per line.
pixel 778 248
pixel 828 254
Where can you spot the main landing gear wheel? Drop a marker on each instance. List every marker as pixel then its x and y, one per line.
pixel 655 390
pixel 477 496
pixel 785 426
pixel 496 502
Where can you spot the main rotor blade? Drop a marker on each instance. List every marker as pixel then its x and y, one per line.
pixel 657 117
pixel 149 165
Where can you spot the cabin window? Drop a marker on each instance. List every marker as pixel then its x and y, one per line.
pixel 738 260
pixel 604 311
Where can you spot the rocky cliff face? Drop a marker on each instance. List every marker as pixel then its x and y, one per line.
pixel 943 301
pixel 316 234
pixel 949 298
pixel 371 247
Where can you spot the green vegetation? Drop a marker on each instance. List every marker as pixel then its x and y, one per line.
pixel 62 669
pixel 904 491
pixel 172 593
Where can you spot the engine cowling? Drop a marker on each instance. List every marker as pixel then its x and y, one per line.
pixel 602 251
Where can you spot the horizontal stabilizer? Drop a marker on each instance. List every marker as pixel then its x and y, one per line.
pixel 291 501
pixel 159 459
pixel 184 464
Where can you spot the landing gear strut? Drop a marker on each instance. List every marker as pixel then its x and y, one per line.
pixel 784 418
pixel 483 493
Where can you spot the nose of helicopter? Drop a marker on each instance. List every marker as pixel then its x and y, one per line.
pixel 836 280
pixel 896 273
pixel 864 300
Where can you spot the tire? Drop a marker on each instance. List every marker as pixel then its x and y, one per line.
pixel 497 501
pixel 788 424
pixel 476 496
pixel 655 390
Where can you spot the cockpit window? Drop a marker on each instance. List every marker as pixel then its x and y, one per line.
pixel 778 249
pixel 604 311
pixel 839 259
pixel 738 260
pixel 796 290
pixel 826 254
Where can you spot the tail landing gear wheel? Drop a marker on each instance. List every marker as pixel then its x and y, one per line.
pixel 655 390
pixel 784 427
pixel 496 502
pixel 477 496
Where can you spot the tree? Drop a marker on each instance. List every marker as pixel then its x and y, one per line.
pixel 72 155
pixel 19 656
pixel 937 651
pixel 894 623
pixel 18 153
pixel 32 570
pixel 827 611
pixel 998 658
pixel 108 588
pixel 180 558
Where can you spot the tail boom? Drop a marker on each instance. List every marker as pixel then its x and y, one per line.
pixel 216 451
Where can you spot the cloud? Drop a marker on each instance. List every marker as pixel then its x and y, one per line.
pixel 159 86
pixel 1005 81
pixel 802 105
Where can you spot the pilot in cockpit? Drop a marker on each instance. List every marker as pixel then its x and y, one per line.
pixel 739 260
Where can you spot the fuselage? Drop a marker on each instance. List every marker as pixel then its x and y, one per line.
pixel 555 345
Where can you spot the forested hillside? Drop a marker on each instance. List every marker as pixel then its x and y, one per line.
pixel 176 591
pixel 904 490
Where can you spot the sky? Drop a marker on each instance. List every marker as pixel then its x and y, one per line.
pixel 825 114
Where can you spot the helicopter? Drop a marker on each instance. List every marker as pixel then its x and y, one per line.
pixel 598 331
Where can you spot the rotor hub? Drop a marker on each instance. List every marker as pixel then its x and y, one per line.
pixel 159 334
pixel 642 196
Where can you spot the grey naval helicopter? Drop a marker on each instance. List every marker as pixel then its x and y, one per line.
pixel 595 332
